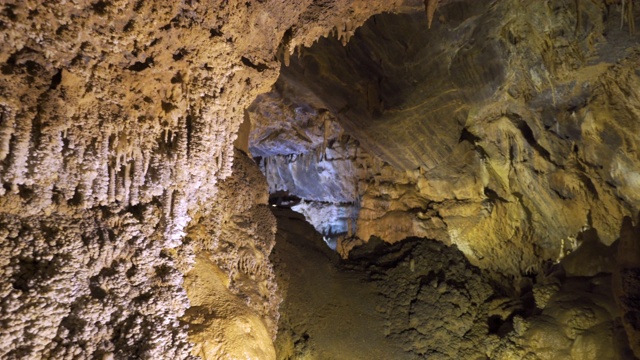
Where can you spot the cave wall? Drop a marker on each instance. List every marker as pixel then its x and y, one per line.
pixel 509 128
pixel 514 138
pixel 419 298
pixel 117 122
pixel 234 299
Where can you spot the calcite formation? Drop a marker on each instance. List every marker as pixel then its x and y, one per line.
pixel 117 121
pixel 131 228
pixel 232 291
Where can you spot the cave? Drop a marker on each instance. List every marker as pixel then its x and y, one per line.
pixel 320 179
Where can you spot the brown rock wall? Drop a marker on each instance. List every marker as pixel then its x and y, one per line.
pixel 117 120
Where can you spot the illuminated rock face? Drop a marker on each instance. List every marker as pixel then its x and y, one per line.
pixel 231 288
pixel 117 123
pixel 508 130
pixel 502 138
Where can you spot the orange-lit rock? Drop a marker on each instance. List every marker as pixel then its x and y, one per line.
pixel 507 131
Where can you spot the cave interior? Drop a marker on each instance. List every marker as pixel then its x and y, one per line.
pixel 320 179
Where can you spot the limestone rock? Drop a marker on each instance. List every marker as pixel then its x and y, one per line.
pixel 500 128
pixel 322 320
pixel 117 122
pixel 419 298
pixel 505 129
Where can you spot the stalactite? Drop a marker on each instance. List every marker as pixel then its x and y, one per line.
pixel 119 184
pixel 7 124
pixel 430 7
pixel 146 156
pixel 182 141
pixel 127 183
pixel 55 160
pixel 112 185
pixel 630 17
pixel 327 132
pixel 178 218
pixel 104 175
pixel 622 15
pixel 86 165
pixel 218 160
pixel 347 31
pixel 287 54
pixel 137 177
pixel 20 152
pixel 167 203
pixel 578 17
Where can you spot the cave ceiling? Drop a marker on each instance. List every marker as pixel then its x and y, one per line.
pixel 402 89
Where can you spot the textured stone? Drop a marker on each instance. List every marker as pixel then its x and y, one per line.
pixel 391 309
pixel 419 298
pixel 506 128
pixel 117 121
pixel 386 89
pixel 232 291
pixel 626 281
pixel 500 129
pixel 289 121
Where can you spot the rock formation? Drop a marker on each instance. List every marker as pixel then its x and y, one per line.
pixel 504 125
pixel 501 137
pixel 117 122
pixel 421 299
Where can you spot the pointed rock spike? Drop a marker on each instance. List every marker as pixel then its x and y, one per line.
pixel 430 7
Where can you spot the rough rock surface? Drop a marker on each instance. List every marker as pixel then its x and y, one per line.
pixel 626 281
pixel 420 298
pixel 300 126
pixel 510 127
pixel 580 320
pixel 232 291
pixel 329 175
pixel 108 293
pixel 387 88
pixel 414 299
pixel 501 129
pixel 117 121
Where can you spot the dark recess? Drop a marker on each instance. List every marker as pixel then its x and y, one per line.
pixel 140 66
pixel 55 80
pixel 100 7
pixel 259 67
